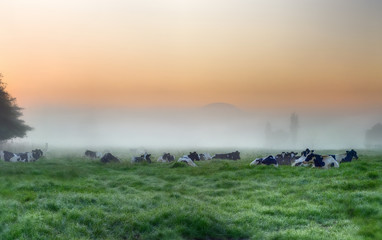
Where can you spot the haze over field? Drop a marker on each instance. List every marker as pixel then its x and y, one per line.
pixel 217 125
pixel 140 72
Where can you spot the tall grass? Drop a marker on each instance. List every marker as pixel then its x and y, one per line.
pixel 75 198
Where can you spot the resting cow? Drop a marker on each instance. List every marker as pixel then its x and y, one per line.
pixel 306 152
pixel 231 156
pixel 108 158
pixel 9 156
pixel 299 161
pixel 21 157
pixel 143 157
pixel 286 158
pixel 346 157
pixel 270 160
pixel 194 156
pixel 320 161
pixel 25 157
pixel 187 160
pixel 167 157
pixel 35 155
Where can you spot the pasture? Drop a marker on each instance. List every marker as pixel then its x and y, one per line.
pixel 70 197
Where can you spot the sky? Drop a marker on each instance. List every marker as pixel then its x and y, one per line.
pixel 136 72
pixel 176 53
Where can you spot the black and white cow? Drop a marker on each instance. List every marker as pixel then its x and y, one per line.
pixel 9 156
pixel 25 157
pixel 286 158
pixel 299 161
pixel 320 161
pixel 167 157
pixel 189 159
pixel 21 157
pixel 194 156
pixel 36 154
pixel 346 157
pixel 109 158
pixel 270 160
pixel 143 157
pixel 306 152
pixel 231 156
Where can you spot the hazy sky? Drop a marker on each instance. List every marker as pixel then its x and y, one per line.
pixel 146 53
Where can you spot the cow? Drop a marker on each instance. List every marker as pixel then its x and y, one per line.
pixel 285 158
pixel 167 157
pixel 321 161
pixel 9 156
pixel 108 158
pixel 36 154
pixel 270 160
pixel 205 156
pixel 92 154
pixel 187 160
pixel 143 157
pixel 299 161
pixel 306 152
pixel 194 156
pixel 21 157
pixel 231 156
pixel 31 156
pixel 346 157
pixel 25 157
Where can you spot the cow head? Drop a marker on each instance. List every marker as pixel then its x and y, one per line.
pixel 166 156
pixel 37 153
pixel 257 161
pixel 352 154
pixel 236 155
pixel 306 152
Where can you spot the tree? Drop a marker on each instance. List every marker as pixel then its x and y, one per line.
pixel 11 126
pixel 374 136
pixel 294 125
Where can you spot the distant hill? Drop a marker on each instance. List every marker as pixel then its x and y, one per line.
pixel 221 107
pixel 225 110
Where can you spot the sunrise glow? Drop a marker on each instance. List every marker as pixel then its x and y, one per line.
pixel 254 54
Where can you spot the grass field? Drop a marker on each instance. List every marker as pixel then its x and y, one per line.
pixel 76 198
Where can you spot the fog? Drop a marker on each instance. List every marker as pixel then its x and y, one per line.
pixel 211 126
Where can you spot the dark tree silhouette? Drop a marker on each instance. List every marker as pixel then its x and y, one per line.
pixel 11 126
pixel 374 136
pixel 294 125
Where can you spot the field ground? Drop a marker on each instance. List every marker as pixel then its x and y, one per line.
pixel 75 198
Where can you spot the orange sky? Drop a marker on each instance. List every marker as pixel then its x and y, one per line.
pixel 144 53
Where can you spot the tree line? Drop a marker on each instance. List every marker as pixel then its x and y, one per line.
pixel 11 124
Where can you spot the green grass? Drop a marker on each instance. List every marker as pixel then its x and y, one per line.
pixel 74 198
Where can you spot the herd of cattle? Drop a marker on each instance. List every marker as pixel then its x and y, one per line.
pixel 306 158
pixel 166 157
